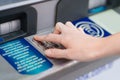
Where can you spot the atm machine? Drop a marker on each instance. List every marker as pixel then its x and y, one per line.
pixel 21 58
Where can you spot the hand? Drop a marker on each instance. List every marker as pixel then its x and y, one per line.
pixel 79 46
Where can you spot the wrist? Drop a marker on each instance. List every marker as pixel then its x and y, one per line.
pixel 106 47
pixel 100 48
pixel 112 44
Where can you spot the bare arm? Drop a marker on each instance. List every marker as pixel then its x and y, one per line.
pixel 112 44
pixel 80 46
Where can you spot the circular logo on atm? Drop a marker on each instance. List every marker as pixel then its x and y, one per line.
pixel 90 28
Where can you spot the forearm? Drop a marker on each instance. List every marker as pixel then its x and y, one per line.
pixel 111 45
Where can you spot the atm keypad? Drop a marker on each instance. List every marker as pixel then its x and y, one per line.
pixel 48 45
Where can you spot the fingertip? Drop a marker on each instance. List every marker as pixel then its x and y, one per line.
pixel 58 28
pixel 36 37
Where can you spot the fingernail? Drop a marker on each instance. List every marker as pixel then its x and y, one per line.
pixel 68 21
pixel 59 22
pixel 35 37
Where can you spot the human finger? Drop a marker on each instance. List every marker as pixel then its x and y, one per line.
pixel 69 24
pixel 59 28
pixel 50 37
pixel 56 53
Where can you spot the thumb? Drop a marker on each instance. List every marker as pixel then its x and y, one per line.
pixel 56 53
